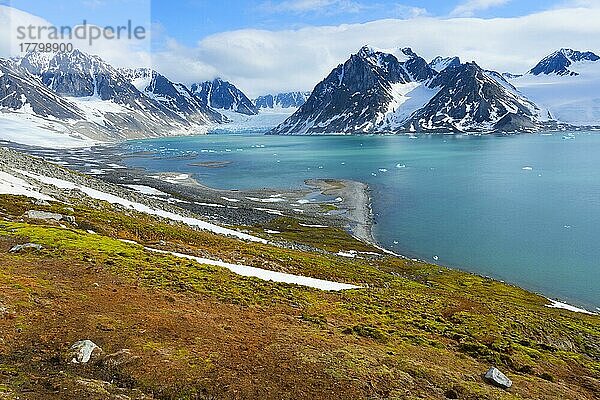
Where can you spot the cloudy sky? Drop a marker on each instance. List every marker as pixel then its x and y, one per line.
pixel 278 45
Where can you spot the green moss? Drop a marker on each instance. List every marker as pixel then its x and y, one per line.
pixel 328 207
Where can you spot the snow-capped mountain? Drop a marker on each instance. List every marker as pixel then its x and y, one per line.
pixel 566 85
pixel 175 96
pixel 281 100
pixel 222 95
pixel 471 99
pixel 559 62
pixel 441 63
pixel 377 91
pixel 107 100
pixel 20 91
pixel 32 113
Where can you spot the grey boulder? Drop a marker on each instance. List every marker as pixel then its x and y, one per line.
pixel 27 246
pixel 497 378
pixel 43 215
pixel 81 352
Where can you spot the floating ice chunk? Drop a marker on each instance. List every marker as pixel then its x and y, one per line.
pixel 527 168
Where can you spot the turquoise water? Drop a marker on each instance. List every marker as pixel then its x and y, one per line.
pixel 524 209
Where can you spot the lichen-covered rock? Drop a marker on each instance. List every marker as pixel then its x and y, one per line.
pixel 27 246
pixel 497 378
pixel 43 215
pixel 81 352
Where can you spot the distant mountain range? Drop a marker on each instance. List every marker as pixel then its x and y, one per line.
pixel 82 93
pixel 374 91
pixel 282 100
pixel 377 91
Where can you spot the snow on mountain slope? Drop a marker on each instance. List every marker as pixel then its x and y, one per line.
pixel 470 100
pixel 566 85
pixel 441 63
pixel 563 62
pixel 32 130
pixel 407 98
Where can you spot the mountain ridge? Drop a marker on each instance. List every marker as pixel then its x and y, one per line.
pixel 376 91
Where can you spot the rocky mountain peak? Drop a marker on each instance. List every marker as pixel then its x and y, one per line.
pixel 223 95
pixel 559 62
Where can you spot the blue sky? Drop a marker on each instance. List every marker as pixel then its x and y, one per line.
pixel 270 46
pixel 188 21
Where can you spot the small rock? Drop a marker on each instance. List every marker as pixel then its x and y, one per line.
pixel 83 350
pixel 26 246
pixel 41 202
pixel 43 215
pixel 69 218
pixel 497 378
pixel 118 359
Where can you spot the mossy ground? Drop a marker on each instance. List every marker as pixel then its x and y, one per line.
pixel 194 331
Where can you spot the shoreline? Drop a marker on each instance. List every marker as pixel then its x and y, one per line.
pixel 357 201
pixel 357 219
pixel 256 206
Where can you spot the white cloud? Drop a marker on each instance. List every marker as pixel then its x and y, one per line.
pixel 470 7
pixel 122 53
pixel 261 61
pixel 403 11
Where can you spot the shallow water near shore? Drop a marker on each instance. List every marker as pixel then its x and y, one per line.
pixel 524 209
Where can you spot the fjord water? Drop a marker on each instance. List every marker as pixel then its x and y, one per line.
pixel 524 209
